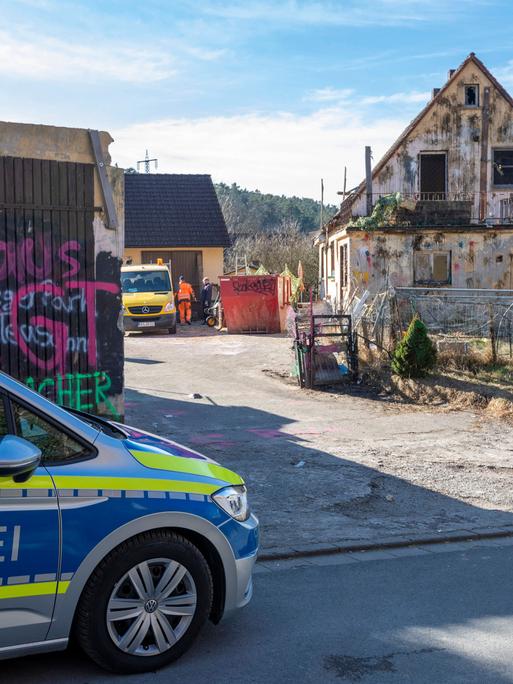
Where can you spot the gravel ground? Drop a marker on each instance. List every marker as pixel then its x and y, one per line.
pixel 322 468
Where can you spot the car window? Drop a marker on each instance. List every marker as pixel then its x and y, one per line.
pixel 4 428
pixel 56 446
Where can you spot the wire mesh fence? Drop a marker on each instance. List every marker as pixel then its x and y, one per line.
pixel 464 318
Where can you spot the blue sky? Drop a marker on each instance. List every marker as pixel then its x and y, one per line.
pixel 270 94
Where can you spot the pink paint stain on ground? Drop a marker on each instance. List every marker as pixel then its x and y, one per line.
pixel 267 434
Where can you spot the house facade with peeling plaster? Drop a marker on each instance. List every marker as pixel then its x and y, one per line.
pixel 437 210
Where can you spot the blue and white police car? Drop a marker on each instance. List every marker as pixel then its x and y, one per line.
pixel 124 540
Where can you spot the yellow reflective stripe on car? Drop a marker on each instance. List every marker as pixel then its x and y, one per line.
pixel 134 484
pixel 33 589
pixel 34 482
pixel 179 464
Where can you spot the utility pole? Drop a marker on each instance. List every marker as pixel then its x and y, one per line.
pixel 326 236
pixel 343 192
pixel 147 161
pixel 368 178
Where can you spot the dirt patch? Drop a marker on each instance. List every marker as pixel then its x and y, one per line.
pixel 458 391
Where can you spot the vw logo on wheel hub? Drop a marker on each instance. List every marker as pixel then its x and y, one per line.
pixel 146 309
pixel 151 606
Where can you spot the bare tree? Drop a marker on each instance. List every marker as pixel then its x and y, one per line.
pixel 284 246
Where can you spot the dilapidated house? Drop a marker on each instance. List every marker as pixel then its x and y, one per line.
pixel 437 209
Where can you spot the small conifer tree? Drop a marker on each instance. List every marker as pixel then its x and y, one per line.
pixel 415 354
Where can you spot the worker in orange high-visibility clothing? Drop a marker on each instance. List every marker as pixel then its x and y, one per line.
pixel 184 296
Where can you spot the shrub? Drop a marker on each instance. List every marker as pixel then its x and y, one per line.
pixel 415 354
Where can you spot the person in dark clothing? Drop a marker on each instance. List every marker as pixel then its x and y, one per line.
pixel 206 298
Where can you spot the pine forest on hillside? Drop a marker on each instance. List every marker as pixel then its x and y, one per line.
pixel 247 212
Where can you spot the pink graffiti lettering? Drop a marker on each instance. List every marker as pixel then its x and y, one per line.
pixel 91 288
pixel 74 246
pixel 33 259
pixel 58 331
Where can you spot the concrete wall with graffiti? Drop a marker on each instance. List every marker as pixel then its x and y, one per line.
pixel 60 300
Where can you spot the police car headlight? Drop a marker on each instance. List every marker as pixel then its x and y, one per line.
pixel 234 501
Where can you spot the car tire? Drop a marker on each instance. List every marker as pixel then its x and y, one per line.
pixel 119 582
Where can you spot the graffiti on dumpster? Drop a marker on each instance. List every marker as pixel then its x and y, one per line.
pixel 260 285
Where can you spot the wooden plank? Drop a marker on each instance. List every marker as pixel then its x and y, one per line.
pixel 111 220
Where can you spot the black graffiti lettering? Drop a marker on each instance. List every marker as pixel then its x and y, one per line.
pixel 265 286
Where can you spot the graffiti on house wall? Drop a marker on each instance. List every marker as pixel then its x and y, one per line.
pixel 59 300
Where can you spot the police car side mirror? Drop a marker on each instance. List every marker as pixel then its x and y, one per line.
pixel 18 456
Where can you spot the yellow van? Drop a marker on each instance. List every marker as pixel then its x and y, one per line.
pixel 148 298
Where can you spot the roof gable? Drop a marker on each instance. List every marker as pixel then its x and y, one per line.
pixel 436 100
pixel 173 210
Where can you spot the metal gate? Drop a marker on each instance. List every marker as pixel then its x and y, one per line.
pixel 53 286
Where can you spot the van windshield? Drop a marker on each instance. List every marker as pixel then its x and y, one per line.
pixel 145 281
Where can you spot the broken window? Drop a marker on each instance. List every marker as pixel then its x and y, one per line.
pixel 432 268
pixel 472 96
pixel 503 167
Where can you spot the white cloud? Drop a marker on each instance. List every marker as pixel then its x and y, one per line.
pixel 504 74
pixel 412 97
pixel 44 58
pixel 280 153
pixel 329 94
pixel 204 54
pixel 347 96
pixel 335 13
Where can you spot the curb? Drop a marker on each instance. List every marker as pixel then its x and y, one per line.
pixel 332 549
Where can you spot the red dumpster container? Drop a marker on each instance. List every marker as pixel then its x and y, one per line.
pixel 255 304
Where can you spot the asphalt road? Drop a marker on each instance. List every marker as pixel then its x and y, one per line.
pixel 439 616
pixel 354 468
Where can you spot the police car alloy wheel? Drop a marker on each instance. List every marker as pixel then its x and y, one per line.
pixel 151 607
pixel 145 603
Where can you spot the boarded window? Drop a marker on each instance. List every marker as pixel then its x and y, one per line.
pixel 503 167
pixel 432 268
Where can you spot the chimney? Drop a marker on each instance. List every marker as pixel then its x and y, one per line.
pixel 450 73
pixel 434 92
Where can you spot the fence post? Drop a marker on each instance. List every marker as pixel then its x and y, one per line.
pixel 493 341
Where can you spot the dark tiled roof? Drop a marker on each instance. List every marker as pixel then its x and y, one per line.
pixel 172 210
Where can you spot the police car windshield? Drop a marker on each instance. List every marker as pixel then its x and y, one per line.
pixel 145 281
pixel 101 424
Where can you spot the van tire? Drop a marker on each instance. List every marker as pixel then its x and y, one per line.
pixel 91 624
pixel 172 331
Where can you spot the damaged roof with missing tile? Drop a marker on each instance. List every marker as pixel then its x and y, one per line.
pixel 173 210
